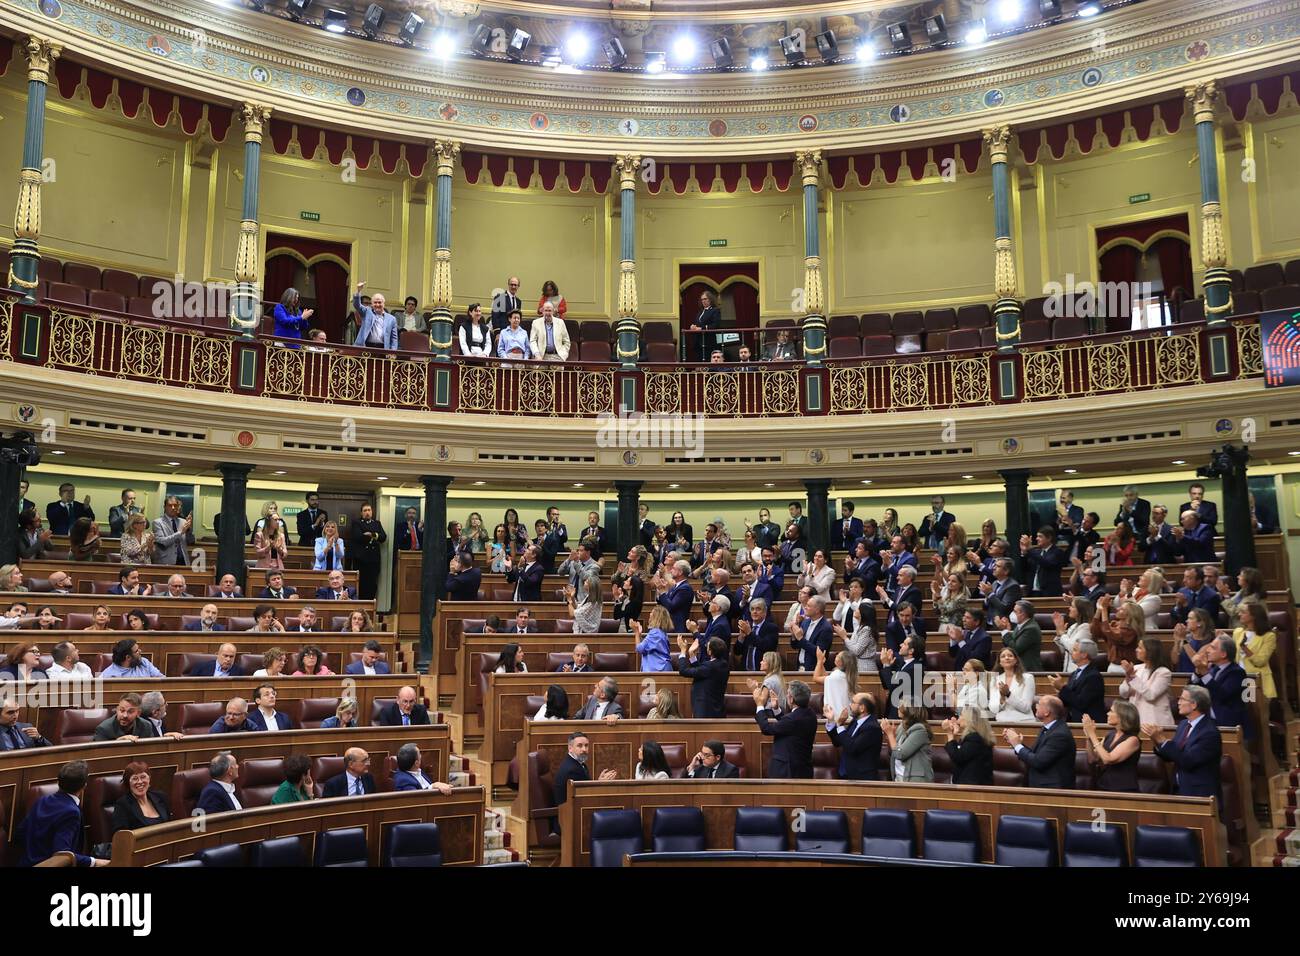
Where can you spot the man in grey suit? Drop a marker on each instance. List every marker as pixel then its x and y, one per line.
pixel 376 328
pixel 1051 757
pixel 576 567
pixel 172 534
pixel 603 702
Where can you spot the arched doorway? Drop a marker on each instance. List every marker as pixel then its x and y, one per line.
pixel 318 269
pixel 734 286
pixel 1154 255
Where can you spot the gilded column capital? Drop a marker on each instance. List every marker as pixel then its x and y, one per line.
pixel 809 162
pixel 998 141
pixel 41 54
pixel 627 166
pixel 446 152
pixel 1203 96
pixel 255 117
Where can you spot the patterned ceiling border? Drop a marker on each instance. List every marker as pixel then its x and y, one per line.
pixel 334 89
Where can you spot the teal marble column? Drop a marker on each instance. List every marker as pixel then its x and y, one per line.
pixel 25 257
pixel 440 324
pixel 813 322
pixel 1217 285
pixel 246 303
pixel 627 329
pixel 1006 309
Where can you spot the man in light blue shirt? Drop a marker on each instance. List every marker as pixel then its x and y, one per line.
pixel 376 328
pixel 513 339
pixel 128 661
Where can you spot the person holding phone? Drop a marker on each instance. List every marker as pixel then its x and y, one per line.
pixel 172 534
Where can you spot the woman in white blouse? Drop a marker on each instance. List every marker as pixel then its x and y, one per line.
pixel 839 685
pixel 971 691
pixel 1078 613
pixel 556 706
pixel 651 764
pixel 1011 696
pixel 475 334
pixel 1147 595
pixel 772 680
pixel 1147 686
pixel 137 541
pixel 819 576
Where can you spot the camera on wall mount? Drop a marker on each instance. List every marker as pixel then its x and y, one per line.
pixel 20 449
pixel 1224 461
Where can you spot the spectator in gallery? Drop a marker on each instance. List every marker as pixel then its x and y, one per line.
pixel 292 321
pixel 475 334
pixel 548 337
pixel 551 294
pixel 377 327
pixel 411 320
pixel 513 341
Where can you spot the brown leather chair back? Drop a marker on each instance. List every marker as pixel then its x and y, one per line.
pixel 259 778
pixel 79 620
pixel 541 811
pixel 1008 771
pixel 187 662
pixel 738 705
pixel 101 794
pixel 613 661
pixel 735 754
pixel 483 665
pixel 826 761
pixel 557 659
pixel 941 763
pixel 315 710
pixel 77 725
pixel 677 758
pixel 323 768
pixel 339 622
pixel 197 717
pixel 1084 774
pixel 1153 774
pixel 561 625
pixel 186 787
pixel 97 662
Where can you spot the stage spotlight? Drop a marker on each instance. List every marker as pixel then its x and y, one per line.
pixel 720 50
pixel 519 41
pixel 900 37
pixel 827 46
pixel 576 47
pixel 412 26
pixel 1088 9
pixel 1009 11
pixel 936 29
pixel 373 20
pixel 336 21
pixel 865 51
pixel 551 56
pixel 298 8
pixel 444 46
pixel 481 42
pixel 684 50
pixel 614 52
pixel 757 58
pixel 976 33
pixel 656 62
pixel 792 47
pixel 1049 9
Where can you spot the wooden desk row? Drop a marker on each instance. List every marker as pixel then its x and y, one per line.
pixel 85 575
pixel 170 610
pixel 296 557
pixel 718 799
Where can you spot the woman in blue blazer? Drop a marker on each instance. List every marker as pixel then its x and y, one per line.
pixel 291 322
pixel 328 542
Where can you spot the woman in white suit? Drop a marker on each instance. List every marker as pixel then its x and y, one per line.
pixel 1147 594
pixel 329 543
pixel 1011 692
pixel 819 576
pixel 1146 685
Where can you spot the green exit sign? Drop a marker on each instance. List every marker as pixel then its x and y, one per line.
pixel 717 242
pixel 1139 197
pixel 309 216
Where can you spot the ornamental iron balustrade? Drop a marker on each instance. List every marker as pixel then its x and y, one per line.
pixel 174 353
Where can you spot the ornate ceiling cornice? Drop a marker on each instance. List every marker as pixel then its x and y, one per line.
pixel 221 54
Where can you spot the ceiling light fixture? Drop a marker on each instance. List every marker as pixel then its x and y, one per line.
pixel 977 33
pixel 615 53
pixel 684 50
pixel 1088 9
pixel 1009 11
pixel 519 41
pixel 792 47
pixel 1071 471
pixel 656 62
pixel 936 29
pixel 826 45
pixel 900 37
pixel 444 46
pixel 336 21
pixel 373 20
pixel 720 50
pixel 576 47
pixel 1178 461
pixel 757 59
pixel 410 27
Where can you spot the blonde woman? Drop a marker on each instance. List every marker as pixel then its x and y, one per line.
pixel 950 596
pixel 1071 627
pixel 1122 634
pixel 329 549
pixel 839 686
pixel 359 622
pixel 956 538
pixel 273 662
pixel 137 541
pixel 970 747
pixel 1146 684
pixel 270 544
pixel 586 616
pixel 270 508
pixel 1147 594
pixel 665 707
pixel 972 692
pixel 345 715
pixel 772 680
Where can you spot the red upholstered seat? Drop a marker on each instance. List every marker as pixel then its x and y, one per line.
pixel 100 300
pixel 125 284
pixel 657 332
pixel 595 330
pixel 845 347
pixel 77 725
pixel 140 305
pixel 77 273
pixel 259 778
pixel 938 320
pixel 1069 327
pixel 1248 302
pixel 66 292
pixel 989 336
pixel 79 620
pixel 1193 310
pixel 594 351
pixel 186 787
pixel 1035 330
pixel 973 317
pixel 1266 275
pixel 875 323
pixel 842 326
pixel 197 717
pixel 662 352
pixel 101 794
pixel 412 341
pixel 874 345
pixel 1291 272
pixel 1281 297
pixel 323 768
pixel 1034 309
pixel 908 323
pixel 148 286
pixel 49 269
pixel 963 339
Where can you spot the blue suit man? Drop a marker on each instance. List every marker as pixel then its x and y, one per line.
pixel 719 627
pixel 54 822
pixel 816 633
pixel 1224 681
pixel 847 530
pixel 257 720
pixel 13 732
pixel 1196 542
pixel 678 600
pixel 1159 547
pixel 408 780
pixel 974 644
pixel 1193 594
pixel 214 798
pixel 769 582
pixel 383 324
pixel 1195 749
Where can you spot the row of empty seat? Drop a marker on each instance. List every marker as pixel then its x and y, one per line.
pixel 405 845
pixel 950 836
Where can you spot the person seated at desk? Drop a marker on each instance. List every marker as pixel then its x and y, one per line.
pixel 336 590
pixel 129 661
pixel 228 588
pixel 23 663
pixel 355 780
pixel 369 662
pixel 410 776
pixel 581 662
pixel 298 786
pixel 275 588
pixel 126 722
pixel 128 582
pixel 14 734
pixel 139 806
pixel 223 665
pixel 54 823
pixel 219 794
pixel 404 712
pixel 235 719
pixel 345 715
pixel 264 716
pixel 310 662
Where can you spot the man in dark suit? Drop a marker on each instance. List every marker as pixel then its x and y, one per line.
pixel 1223 678
pixel 275 588
pixel 758 635
pixel 409 535
pixel 902 673
pixel 709 673
pixel 128 582
pixel 1050 759
pixel 799 520
pixel 1084 691
pixel 719 624
pixel 1193 594
pixel 1077 539
pixel 711 763
pixel 526 575
pixel 863 567
pixel 223 665
pixel 1193 539
pixel 647 527
pixel 554 538
pixel 1069 516
pixel 602 703
pixel 218 796
pixel 61 515
pixel 581 662
pixel 1086 583
pixel 1196 747
pixel 856 733
pixel 970 641
pixel 369 662
pixel 263 713
pixel 53 824
pixel 14 734
pixel 815 632
pixel 595 534
pixel 792 734
pixel 227 589
pixel 767 533
pixel 769 578
pixel 405 711
pixel 24 503
pixel 678 598
pixel 1158 542
pixel 311 520
pixel 710 317
pixel 355 780
pixel 907 623
pixel 1044 562
pixel 847 530
pixel 934 526
pixel 573 767
pixel 463 581
pixel 336 590
pixel 1134 511
pixel 1207 511
pixel 705 547
pixel 505 302
pixel 1000 595
pixel 410 776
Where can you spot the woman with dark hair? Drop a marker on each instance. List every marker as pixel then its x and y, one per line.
pixel 138 806
pixel 23 663
pixel 629 597
pixel 46 619
pixel 909 743
pixel 291 321
pixel 1120 545
pixel 359 623
pixel 551 294
pixel 511 660
pixel 84 540
pixel 1191 637
pixel 888 524
pixel 1256 642
pixel 475 335
pixel 311 663
pixel 1146 683
pixel 1250 586
pixel 516 534
pixel 910 538
pixel 710 317
pixel 297 785
pixel 556 706
pixel 476 533
pixel 678 530
pixel 137 620
pixel 1115 759
pixel 651 764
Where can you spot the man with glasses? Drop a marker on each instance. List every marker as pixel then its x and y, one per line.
pixel 505 302
pixel 14 734
pixel 355 780
pixel 235 719
pixel 711 763
pixel 1195 747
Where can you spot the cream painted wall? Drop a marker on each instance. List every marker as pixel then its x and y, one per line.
pixel 913 244
pixel 1274 206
